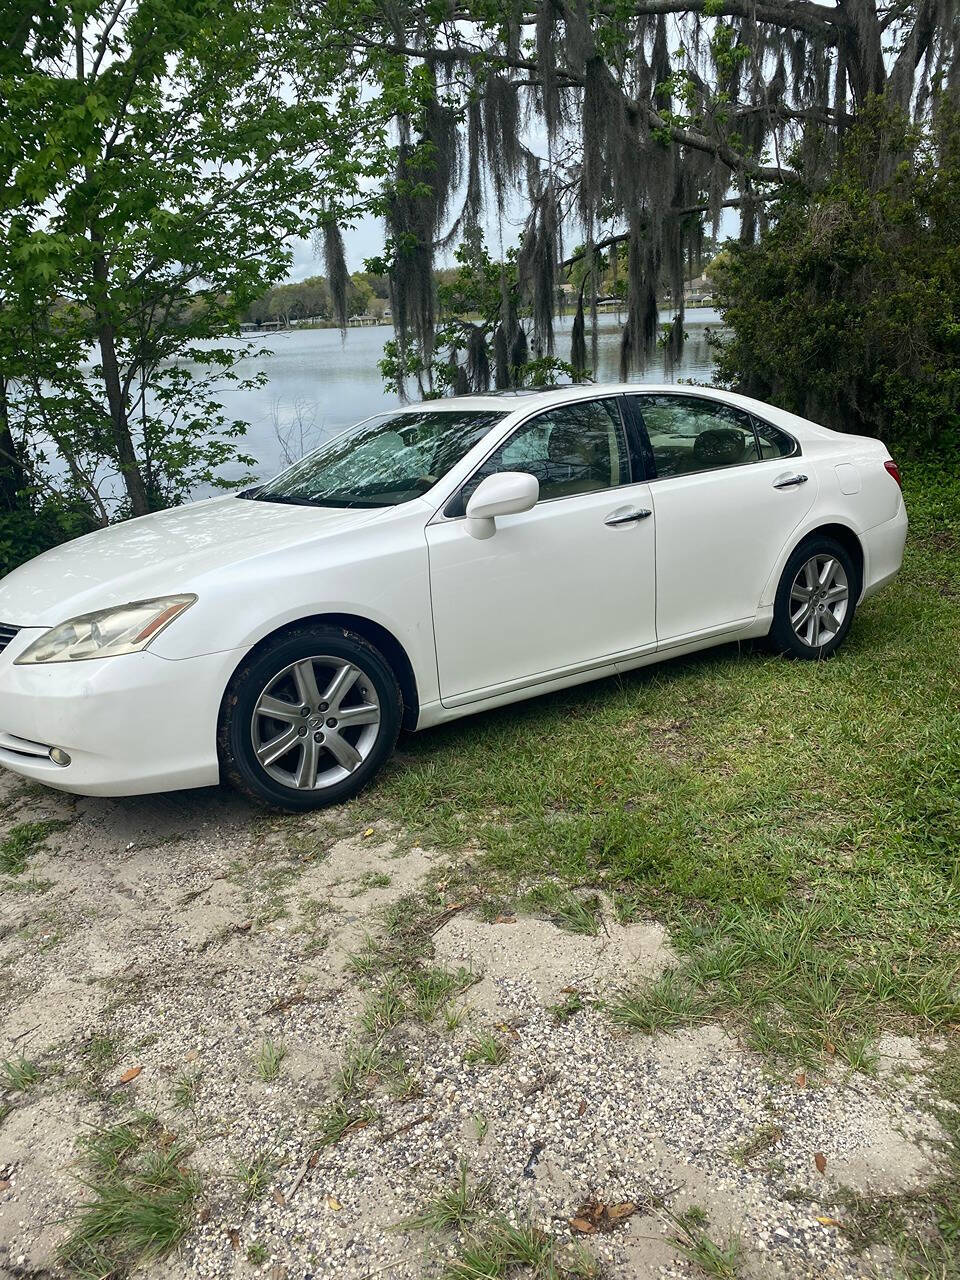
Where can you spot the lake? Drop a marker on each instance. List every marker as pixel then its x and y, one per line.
pixel 319 382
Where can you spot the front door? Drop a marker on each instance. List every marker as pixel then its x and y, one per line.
pixel 557 588
pixel 728 494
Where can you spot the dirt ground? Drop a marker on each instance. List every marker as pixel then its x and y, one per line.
pixel 172 936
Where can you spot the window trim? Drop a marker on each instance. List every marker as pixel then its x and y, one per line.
pixel 649 460
pixel 444 514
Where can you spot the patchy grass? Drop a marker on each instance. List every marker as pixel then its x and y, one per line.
pixel 505 1248
pixel 22 841
pixel 432 988
pixel 454 1209
pixel 101 1052
pixel 571 1004
pixel 340 1117
pixel 721 1261
pixel 19 1075
pixel 494 1246
pixel 254 1174
pixel 186 1090
pixel 794 826
pixel 141 1197
pixel 487 1050
pixel 384 1009
pixel 270 1059
pixel 567 910
pixel 922 1227
pixel 360 1066
pixel 763 1139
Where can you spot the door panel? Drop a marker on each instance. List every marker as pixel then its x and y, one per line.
pixel 722 509
pixel 563 585
pixel 554 587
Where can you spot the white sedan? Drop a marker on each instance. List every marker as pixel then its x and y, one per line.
pixel 428 563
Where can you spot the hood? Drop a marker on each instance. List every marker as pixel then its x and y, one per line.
pixel 161 554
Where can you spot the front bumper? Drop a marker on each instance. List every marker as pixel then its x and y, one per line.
pixel 131 724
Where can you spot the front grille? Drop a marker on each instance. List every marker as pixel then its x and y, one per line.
pixel 6 635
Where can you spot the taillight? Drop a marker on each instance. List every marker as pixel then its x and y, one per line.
pixel 894 470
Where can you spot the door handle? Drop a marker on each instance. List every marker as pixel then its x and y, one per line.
pixel 627 517
pixel 789 482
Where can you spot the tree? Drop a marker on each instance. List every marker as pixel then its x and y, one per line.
pixel 479 339
pixel 657 114
pixel 848 310
pixel 157 156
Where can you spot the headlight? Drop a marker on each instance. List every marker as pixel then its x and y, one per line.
pixel 127 628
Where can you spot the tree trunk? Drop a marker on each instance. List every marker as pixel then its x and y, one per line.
pixel 13 478
pixel 106 340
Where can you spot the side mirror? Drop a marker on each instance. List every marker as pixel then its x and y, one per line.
pixel 503 494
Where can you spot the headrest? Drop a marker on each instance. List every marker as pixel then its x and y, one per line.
pixel 719 447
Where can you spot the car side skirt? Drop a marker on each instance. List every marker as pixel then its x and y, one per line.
pixel 439 712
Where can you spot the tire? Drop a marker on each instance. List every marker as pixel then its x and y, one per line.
pixel 338 729
pixel 815 634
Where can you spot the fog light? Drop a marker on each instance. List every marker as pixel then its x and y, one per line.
pixel 59 757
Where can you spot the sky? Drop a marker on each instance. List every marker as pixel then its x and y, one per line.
pixel 365 240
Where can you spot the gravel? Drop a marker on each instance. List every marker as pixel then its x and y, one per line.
pixel 181 928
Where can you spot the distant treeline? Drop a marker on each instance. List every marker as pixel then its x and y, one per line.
pixel 310 299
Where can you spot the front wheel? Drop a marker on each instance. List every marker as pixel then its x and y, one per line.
pixel 815 600
pixel 309 720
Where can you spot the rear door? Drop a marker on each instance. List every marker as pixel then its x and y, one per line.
pixel 728 492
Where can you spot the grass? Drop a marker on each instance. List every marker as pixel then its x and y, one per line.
pixel 454 1209
pixel 922 1227
pixel 493 1245
pixel 763 1138
pixel 432 988
pixel 101 1052
pixel 362 1063
pixel 721 1261
pixel 384 1010
pixel 270 1060
pixel 141 1198
pixel 341 1115
pixel 19 1075
pixel 186 1090
pixel 506 1248
pixel 255 1173
pixel 565 909
pixel 485 1049
pixel 22 841
pixel 571 1004
pixel 793 824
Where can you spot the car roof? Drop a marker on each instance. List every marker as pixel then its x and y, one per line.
pixel 525 401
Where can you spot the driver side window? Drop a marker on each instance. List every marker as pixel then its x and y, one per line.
pixel 575 448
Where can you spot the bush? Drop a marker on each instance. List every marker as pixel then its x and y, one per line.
pixel 25 533
pixel 848 309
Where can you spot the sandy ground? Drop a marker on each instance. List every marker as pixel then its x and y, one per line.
pixel 183 930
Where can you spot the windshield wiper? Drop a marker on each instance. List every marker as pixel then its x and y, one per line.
pixel 288 499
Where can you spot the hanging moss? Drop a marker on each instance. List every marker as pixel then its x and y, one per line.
pixel 653 125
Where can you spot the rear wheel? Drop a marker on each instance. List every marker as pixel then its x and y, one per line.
pixel 816 599
pixel 309 720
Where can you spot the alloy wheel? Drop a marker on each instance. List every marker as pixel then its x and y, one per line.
pixel 315 722
pixel 819 600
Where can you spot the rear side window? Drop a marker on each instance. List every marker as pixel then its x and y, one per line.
pixel 774 443
pixel 689 434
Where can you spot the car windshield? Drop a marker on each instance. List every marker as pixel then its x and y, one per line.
pixel 382 462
